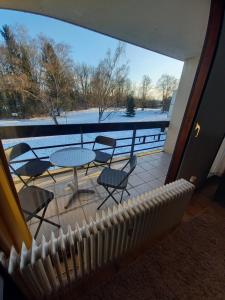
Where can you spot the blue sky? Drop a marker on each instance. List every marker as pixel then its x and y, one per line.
pixel 90 47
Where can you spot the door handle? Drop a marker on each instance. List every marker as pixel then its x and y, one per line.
pixel 197 129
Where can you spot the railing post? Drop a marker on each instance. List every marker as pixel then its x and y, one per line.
pixel 133 142
pixel 81 138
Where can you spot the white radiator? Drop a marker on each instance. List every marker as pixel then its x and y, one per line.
pixel 51 265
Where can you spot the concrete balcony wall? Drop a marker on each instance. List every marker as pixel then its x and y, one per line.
pixel 182 95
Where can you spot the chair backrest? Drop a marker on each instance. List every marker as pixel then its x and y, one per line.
pixel 33 199
pixel 130 165
pixel 16 151
pixel 104 140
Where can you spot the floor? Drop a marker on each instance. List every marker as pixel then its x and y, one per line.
pixel 204 200
pixel 202 205
pixel 149 174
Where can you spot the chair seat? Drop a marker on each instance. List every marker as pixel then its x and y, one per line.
pixel 112 178
pixel 102 157
pixel 33 199
pixel 34 168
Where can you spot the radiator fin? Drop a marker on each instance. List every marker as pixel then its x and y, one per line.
pixel 56 263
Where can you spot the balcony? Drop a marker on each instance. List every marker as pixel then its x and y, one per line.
pixel 146 139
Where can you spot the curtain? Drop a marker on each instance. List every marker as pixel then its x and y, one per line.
pixel 13 228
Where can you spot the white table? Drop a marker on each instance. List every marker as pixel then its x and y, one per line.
pixel 73 157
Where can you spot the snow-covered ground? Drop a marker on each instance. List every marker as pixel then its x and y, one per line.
pixel 89 116
pixel 86 116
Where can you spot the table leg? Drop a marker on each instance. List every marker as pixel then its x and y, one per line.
pixel 74 185
pixel 74 188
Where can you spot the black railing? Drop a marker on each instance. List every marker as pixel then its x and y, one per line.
pixel 15 132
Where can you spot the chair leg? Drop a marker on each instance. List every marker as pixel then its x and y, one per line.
pixel 121 198
pixel 103 202
pixel 26 183
pixel 23 181
pixel 110 195
pixel 87 169
pixel 41 221
pixel 51 175
pixel 127 192
pixel 52 223
pixel 46 220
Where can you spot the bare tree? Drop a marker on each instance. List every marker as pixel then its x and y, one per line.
pixel 83 77
pixel 145 88
pixel 17 65
pixel 107 77
pixel 57 78
pixel 166 84
pixel 42 73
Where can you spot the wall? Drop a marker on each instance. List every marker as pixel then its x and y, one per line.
pixel 183 92
pixel 218 167
pixel 202 148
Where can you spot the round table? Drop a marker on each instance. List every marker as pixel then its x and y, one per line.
pixel 73 157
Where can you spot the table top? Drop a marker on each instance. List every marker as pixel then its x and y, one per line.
pixel 72 157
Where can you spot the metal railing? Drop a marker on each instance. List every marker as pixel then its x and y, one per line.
pixel 15 132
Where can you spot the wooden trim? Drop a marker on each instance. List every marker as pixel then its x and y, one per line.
pixel 200 81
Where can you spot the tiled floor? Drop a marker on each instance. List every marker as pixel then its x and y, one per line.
pixel 149 174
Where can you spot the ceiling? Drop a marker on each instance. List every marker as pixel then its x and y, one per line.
pixel 175 28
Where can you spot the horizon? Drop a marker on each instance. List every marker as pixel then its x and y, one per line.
pixel 141 61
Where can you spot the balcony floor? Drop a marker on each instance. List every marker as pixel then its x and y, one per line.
pixel 149 174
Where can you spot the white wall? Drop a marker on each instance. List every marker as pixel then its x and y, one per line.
pixel 183 92
pixel 218 166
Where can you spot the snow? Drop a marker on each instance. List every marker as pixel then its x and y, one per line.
pixel 89 116
pixel 86 116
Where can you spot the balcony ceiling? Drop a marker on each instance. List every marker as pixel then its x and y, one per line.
pixel 175 28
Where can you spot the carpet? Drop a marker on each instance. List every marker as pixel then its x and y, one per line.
pixel 188 264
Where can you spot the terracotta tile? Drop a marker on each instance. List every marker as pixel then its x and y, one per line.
pixel 91 209
pixel 63 200
pixel 146 177
pixel 62 189
pixel 85 198
pixel 155 183
pixel 144 188
pixel 109 203
pixel 135 180
pixel 146 166
pixel 156 173
pixel 71 218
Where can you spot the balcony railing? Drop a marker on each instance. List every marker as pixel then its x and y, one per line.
pixel 136 142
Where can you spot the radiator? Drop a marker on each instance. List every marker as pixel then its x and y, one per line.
pixel 67 258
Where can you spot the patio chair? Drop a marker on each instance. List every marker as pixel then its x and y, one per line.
pixel 116 179
pixel 34 199
pixel 31 169
pixel 103 158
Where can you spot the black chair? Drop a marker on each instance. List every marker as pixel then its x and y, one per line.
pixel 34 199
pixel 103 158
pixel 31 169
pixel 116 179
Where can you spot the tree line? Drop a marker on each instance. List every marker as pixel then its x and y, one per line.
pixel 39 77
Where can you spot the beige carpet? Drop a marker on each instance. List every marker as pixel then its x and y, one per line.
pixel 188 264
